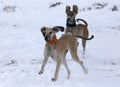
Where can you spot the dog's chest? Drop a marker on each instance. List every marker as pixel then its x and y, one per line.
pixel 72 30
pixel 51 51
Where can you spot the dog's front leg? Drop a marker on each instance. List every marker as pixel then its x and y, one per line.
pixel 43 64
pixel 58 64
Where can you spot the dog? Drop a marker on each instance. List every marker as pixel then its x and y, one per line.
pixel 58 48
pixel 76 29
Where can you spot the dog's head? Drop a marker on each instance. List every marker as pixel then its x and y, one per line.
pixel 71 14
pixel 50 33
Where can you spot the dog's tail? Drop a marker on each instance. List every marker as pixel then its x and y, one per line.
pixel 84 37
pixel 82 21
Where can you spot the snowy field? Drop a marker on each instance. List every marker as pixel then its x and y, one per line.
pixel 22 44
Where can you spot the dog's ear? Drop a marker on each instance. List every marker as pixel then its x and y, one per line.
pixel 67 9
pixel 43 30
pixel 58 28
pixel 75 9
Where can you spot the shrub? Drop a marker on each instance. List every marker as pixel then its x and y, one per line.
pixel 55 4
pixel 114 8
pixel 8 8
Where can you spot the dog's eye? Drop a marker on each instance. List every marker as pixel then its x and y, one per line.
pixel 50 33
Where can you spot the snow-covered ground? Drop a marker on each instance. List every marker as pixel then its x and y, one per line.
pixel 22 44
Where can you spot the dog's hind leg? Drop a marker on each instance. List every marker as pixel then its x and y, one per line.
pixel 85 34
pixel 84 45
pixel 76 58
pixel 83 67
pixel 63 59
pixel 77 42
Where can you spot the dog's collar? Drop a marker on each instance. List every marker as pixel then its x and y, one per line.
pixel 52 41
pixel 71 23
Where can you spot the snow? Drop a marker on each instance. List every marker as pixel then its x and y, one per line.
pixel 22 44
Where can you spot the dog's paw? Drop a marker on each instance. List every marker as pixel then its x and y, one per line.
pixel 53 79
pixel 85 71
pixel 40 72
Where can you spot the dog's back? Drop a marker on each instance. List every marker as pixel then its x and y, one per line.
pixel 64 41
pixel 79 29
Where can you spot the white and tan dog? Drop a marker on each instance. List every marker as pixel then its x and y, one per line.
pixel 57 49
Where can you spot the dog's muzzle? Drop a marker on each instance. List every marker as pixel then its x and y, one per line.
pixel 47 38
